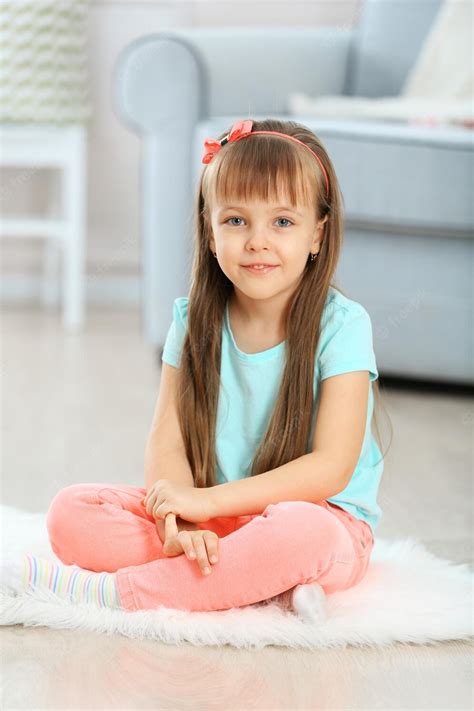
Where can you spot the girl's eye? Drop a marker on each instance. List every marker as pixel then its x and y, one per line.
pixel 285 219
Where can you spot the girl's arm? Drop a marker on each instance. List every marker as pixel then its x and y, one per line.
pixel 163 462
pixel 320 474
pixel 165 454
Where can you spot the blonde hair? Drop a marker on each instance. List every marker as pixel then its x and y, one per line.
pixel 258 168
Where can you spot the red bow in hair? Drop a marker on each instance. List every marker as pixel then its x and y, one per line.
pixel 211 146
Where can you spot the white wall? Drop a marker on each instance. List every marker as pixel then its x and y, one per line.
pixel 113 241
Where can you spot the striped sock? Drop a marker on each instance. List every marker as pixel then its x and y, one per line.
pixel 70 581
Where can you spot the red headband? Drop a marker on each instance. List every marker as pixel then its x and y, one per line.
pixel 241 129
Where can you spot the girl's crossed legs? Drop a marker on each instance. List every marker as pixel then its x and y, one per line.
pixel 103 527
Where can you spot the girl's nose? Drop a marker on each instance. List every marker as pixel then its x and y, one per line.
pixel 258 239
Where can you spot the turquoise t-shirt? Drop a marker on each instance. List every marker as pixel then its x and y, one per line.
pixel 250 383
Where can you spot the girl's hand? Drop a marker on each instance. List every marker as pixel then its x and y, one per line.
pixel 199 545
pixel 160 526
pixel 182 500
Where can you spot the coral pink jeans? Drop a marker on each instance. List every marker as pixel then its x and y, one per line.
pixel 105 527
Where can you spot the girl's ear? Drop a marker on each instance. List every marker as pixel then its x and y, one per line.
pixel 319 235
pixel 317 242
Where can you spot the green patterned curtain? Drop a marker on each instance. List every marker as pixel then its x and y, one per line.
pixel 43 61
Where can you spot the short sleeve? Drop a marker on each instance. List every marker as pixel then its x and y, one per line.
pixel 176 332
pixel 346 344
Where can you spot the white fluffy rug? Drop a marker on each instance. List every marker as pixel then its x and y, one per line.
pixel 408 595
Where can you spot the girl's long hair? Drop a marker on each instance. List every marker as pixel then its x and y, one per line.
pixel 258 168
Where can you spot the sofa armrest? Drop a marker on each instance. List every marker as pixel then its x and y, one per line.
pixel 157 82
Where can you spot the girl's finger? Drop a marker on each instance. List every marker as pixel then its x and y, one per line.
pixel 201 553
pixel 187 544
pixel 150 502
pixel 212 545
pixel 171 528
pixel 161 510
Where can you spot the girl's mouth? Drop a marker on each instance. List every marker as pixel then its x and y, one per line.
pixel 260 270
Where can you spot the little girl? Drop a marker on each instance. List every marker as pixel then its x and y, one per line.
pixel 261 466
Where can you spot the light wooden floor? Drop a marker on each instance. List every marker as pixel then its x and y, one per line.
pixel 78 408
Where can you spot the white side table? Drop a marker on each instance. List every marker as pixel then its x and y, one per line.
pixel 35 146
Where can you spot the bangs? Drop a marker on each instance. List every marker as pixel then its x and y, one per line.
pixel 263 168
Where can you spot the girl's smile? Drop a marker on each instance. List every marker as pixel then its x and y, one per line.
pixel 261 270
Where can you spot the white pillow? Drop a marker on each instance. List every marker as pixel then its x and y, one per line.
pixel 445 68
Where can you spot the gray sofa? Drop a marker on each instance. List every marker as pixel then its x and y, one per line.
pixel 407 189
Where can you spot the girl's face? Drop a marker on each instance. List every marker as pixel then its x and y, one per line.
pixel 264 233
